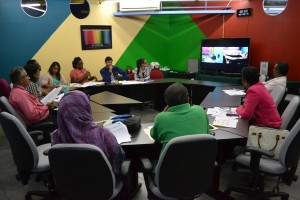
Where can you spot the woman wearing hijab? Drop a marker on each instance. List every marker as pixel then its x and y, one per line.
pixel 75 125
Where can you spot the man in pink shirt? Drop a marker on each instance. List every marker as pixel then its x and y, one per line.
pixel 259 105
pixel 25 103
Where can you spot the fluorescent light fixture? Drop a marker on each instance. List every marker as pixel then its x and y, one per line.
pixel 33 8
pixel 30 4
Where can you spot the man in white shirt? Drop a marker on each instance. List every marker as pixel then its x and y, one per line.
pixel 279 72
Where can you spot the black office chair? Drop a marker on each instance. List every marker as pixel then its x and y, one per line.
pixel 261 163
pixel 45 127
pixel 28 157
pixel 82 171
pixel 184 170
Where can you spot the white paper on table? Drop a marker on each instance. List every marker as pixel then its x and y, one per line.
pixel 91 83
pixel 225 122
pixel 222 111
pixel 51 95
pixel 234 92
pixel 120 131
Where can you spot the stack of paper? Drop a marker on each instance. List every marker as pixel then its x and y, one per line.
pixel 120 131
pixel 225 122
pixel 234 92
pixel 222 112
pixel 51 95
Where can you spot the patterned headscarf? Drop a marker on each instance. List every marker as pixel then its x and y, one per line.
pixel 75 125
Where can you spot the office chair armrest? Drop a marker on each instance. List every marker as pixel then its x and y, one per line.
pixel 125 167
pixel 46 152
pixel 259 151
pixel 37 136
pixel 46 127
pixel 256 154
pixel 146 164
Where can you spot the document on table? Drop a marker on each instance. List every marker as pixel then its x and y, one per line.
pixel 225 122
pixel 51 95
pixel 234 92
pixel 222 112
pixel 135 82
pixel 120 131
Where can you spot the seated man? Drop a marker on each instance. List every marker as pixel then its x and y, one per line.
pixel 280 71
pixel 110 72
pixel 179 118
pixel 26 104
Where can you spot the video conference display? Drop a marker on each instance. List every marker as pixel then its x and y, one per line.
pixel 225 54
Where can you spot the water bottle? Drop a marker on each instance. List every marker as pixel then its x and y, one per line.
pixel 66 88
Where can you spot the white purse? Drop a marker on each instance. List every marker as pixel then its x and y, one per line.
pixel 267 138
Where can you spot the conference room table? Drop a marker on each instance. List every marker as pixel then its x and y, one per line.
pixel 142 145
pixel 153 90
pixel 118 103
pixel 205 93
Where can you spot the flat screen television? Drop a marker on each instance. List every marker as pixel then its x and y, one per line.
pixel 228 55
pixel 95 37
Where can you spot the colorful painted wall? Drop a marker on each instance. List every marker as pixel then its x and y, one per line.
pixel 170 40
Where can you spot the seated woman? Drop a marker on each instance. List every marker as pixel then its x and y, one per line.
pixel 259 105
pixel 4 88
pixel 53 78
pixel 33 71
pixel 79 74
pixel 75 125
pixel 142 73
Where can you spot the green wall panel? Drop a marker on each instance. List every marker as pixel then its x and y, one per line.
pixel 168 39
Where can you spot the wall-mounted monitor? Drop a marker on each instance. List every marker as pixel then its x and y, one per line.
pixel 227 55
pixel 95 37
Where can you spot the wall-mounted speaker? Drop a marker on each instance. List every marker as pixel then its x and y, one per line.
pixel 264 68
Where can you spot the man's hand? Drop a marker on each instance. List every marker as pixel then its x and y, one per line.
pixel 50 105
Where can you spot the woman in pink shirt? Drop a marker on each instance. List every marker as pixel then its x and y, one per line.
pixel 259 105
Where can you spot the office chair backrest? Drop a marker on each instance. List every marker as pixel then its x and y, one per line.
pixel 289 112
pixel 290 150
pixel 81 171
pixel 277 94
pixel 23 148
pixel 8 108
pixel 186 165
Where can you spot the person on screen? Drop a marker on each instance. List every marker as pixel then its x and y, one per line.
pixel 53 78
pixel 79 74
pixel 110 72
pixel 33 71
pixel 26 104
pixel 259 106
pixel 142 72
pixel 75 125
pixel 280 71
pixel 179 117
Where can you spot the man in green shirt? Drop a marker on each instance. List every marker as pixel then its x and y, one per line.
pixel 179 118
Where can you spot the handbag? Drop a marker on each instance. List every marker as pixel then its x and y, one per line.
pixel 267 138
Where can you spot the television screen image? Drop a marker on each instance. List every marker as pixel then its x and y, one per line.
pixel 95 37
pixel 225 55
